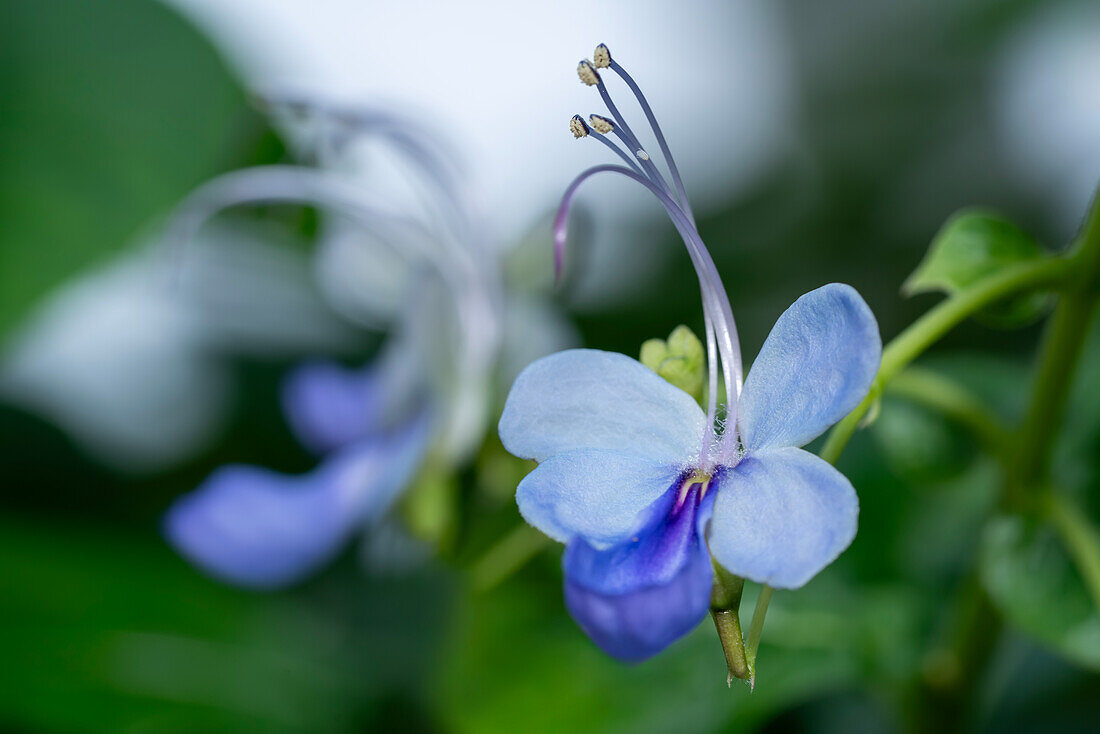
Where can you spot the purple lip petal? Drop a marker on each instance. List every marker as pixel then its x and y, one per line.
pixel 257 528
pixel 637 598
pixel 330 406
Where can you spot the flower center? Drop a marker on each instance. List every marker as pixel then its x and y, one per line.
pixel 698 480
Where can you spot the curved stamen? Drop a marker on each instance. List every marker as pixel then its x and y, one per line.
pixel 409 138
pixel 669 161
pixel 471 287
pixel 715 302
pixel 630 140
pixel 618 151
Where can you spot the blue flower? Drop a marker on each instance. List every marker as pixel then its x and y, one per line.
pixel 372 427
pixel 642 486
pixel 622 483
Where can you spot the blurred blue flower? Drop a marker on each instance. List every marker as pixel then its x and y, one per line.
pixel 413 263
pixel 372 427
pixel 641 485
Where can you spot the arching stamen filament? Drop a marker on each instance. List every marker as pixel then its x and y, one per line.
pixel 715 302
pixel 475 297
pixel 648 111
pixel 629 160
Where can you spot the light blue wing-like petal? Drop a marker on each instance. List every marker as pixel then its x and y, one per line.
pixel 642 594
pixel 589 399
pixel 781 516
pixel 814 368
pixel 257 528
pixel 600 496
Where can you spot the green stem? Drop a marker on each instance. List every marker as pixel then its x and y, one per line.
pixel 929 328
pixel 977 623
pixel 756 629
pixel 1079 537
pixel 725 603
pixel 953 401
pixel 1063 342
pixel 951 673
pixel 507 556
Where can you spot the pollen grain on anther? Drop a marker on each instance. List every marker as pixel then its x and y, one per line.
pixel 601 125
pixel 577 126
pixel 587 73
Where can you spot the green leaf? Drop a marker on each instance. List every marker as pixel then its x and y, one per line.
pixel 972 245
pixel 111 113
pixel 1033 583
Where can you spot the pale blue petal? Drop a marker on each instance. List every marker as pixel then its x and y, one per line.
pixel 600 496
pixel 814 368
pixel 588 399
pixel 639 596
pixel 253 527
pixel 781 516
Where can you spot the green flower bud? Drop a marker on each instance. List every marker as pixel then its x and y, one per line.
pixel 680 359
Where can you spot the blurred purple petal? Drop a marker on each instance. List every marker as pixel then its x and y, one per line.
pixel 330 406
pixel 637 598
pixel 257 528
pixel 254 527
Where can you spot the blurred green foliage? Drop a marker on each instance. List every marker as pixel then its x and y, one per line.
pixel 111 113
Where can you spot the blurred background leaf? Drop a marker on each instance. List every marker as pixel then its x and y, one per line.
pixel 112 113
pixel 1033 583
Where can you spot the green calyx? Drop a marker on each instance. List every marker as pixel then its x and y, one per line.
pixel 680 359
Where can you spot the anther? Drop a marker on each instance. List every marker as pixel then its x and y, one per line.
pixel 577 127
pixel 601 57
pixel 601 125
pixel 587 73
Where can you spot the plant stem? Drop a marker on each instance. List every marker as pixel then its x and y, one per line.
pixel 929 328
pixel 1079 537
pixel 1063 342
pixel 725 602
pixel 952 400
pixel 507 556
pixel 977 624
pixel 951 672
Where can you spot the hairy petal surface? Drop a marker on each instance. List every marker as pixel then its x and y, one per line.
pixel 600 496
pixel 253 527
pixel 781 516
pixel 814 368
pixel 636 598
pixel 590 399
